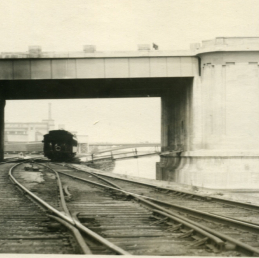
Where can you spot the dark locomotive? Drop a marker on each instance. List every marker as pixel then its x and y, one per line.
pixel 59 145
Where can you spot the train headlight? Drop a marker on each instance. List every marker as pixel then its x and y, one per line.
pixel 57 148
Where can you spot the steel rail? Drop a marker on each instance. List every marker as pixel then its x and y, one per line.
pixel 224 218
pixel 99 177
pixel 254 227
pixel 219 242
pixel 62 197
pixel 67 218
pixel 254 251
pixel 242 224
pixel 39 200
pixel 83 246
pixel 141 198
pixel 213 238
pixel 63 219
pixel 98 237
pixel 206 197
pixel 79 225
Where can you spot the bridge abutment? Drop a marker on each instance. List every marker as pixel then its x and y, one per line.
pixel 2 107
pixel 222 149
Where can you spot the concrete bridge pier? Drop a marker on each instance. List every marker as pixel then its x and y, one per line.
pixel 215 121
pixel 2 107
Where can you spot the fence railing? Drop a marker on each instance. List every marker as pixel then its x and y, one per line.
pixel 123 155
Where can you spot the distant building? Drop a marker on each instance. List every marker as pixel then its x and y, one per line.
pixel 34 131
pixel 28 132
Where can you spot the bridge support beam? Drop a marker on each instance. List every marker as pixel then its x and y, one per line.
pixel 2 107
pixel 221 149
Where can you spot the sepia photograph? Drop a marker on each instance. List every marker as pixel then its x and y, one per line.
pixel 129 127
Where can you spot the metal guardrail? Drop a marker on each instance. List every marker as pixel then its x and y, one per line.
pixel 116 156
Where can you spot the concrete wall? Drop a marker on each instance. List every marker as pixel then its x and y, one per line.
pixel 177 119
pixel 230 98
pixel 2 106
pixel 223 145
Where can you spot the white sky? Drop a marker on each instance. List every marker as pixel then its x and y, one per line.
pixel 104 120
pixel 61 25
pixel 67 25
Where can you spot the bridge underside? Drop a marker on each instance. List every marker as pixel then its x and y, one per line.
pixel 174 93
pixel 210 107
pixel 209 98
pixel 91 88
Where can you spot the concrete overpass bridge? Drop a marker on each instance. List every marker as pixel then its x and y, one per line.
pixel 209 98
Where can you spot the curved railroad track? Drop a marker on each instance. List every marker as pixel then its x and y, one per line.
pixel 49 196
pixel 116 225
pixel 235 235
pixel 117 216
pixel 25 228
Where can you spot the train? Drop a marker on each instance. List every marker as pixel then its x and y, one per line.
pixel 60 145
pixel 57 145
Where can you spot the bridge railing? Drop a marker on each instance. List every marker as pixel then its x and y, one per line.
pixel 135 153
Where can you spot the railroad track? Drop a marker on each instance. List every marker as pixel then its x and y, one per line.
pixel 116 221
pixel 224 208
pixel 40 183
pixel 173 220
pixel 24 226
pixel 238 234
pixel 117 225
pixel 202 204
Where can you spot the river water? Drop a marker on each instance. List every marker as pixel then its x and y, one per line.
pixel 140 167
pixel 144 167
